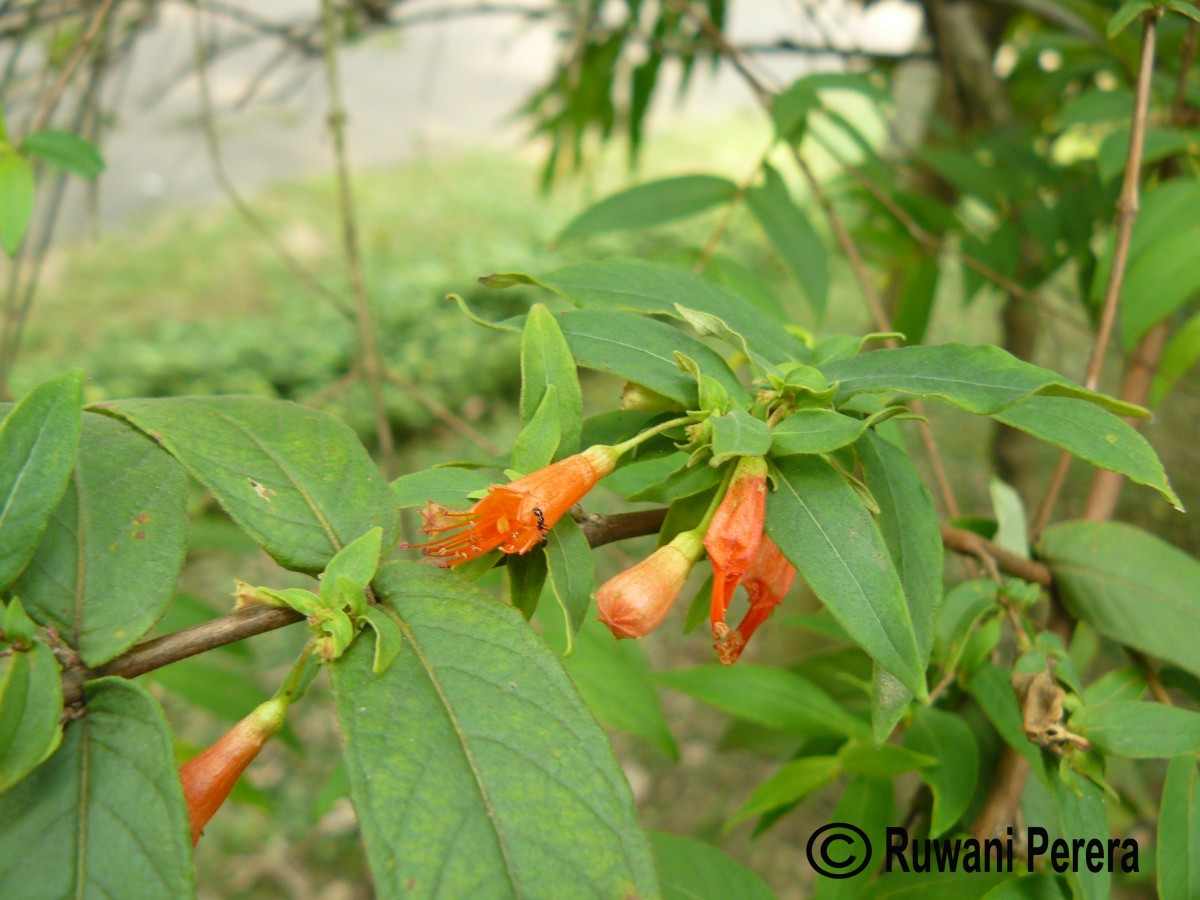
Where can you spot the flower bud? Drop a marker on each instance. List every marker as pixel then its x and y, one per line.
pixel 734 535
pixel 209 776
pixel 634 603
pixel 637 398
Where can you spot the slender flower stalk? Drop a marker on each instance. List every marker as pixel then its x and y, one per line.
pixel 734 535
pixel 634 603
pixel 767 582
pixel 209 777
pixel 515 517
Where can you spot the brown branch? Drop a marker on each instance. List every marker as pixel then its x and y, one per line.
pixel 85 43
pixel 245 623
pixel 973 544
pixel 1127 210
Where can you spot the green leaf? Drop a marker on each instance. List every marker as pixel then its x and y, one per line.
pixel 1159 281
pixel 1035 886
pixel 104 816
pixel 915 303
pixel 815 431
pixel 109 563
pixel 642 350
pixel 65 149
pixel 1083 811
pixel 1129 585
pixel 572 577
pixel 898 885
pixel 738 434
pixel 546 362
pixel 948 738
pixel 867 803
pixel 18 628
pixel 389 638
pixel 1011 532
pixel 908 522
pixel 775 698
pixel 862 758
pixel 989 686
pixel 295 479
pixel 618 688
pixel 637 285
pixel 1125 14
pixel 357 561
pixel 788 228
pixel 980 379
pixel 1120 684
pixel 38 438
pixel 16 199
pixel 964 607
pixel 1178 357
pixel 455 766
pixel 821 526
pixel 1139 729
pixel 689 869
pixel 526 578
pixel 1184 8
pixel 446 486
pixel 789 785
pixel 684 481
pixel 651 204
pixel 1179 831
pixel 30 712
pixel 1158 143
pixel 535 446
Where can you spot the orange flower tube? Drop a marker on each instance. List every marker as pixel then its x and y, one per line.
pixel 514 517
pixel 634 603
pixel 734 534
pixel 767 582
pixel 209 776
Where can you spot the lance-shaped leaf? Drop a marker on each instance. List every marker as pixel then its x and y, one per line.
pixel 980 379
pixel 30 712
pixel 909 525
pixel 446 485
pixel 1092 434
pixel 949 739
pixel 788 228
pixel 109 563
pixel 572 578
pixel 689 869
pixel 650 204
pixel 867 803
pixel 37 445
pixel 17 193
pixel 1139 729
pixel 738 434
pixel 642 350
pixel 822 527
pixel 774 698
pixel 1179 831
pixel 104 816
pixel 1129 585
pixel 546 363
pixel 815 431
pixel 637 285
pixel 296 480
pixel 463 783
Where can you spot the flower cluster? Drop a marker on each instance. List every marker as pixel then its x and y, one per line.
pixel 514 518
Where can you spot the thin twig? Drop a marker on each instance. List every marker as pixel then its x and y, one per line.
pixel 371 360
pixel 1127 209
pixel 246 623
pixel 85 43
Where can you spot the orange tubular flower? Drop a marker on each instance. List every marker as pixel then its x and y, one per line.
pixel 767 582
pixel 635 602
pixel 514 517
pixel 210 776
pixel 734 535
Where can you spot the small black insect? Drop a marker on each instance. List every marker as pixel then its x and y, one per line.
pixel 541 519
